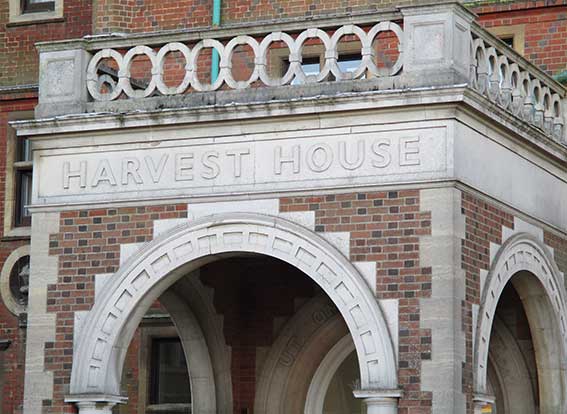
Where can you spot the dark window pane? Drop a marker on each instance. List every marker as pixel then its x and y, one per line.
pixel 23 197
pixel 169 380
pixel 509 40
pixel 23 150
pixel 34 6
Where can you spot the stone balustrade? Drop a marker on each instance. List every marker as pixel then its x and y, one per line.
pixel 437 47
pixel 515 85
pixel 225 47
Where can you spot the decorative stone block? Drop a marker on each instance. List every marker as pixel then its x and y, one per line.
pixel 436 38
pixel 62 82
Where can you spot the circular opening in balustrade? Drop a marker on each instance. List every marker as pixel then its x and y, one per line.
pixel 203 65
pixel 204 56
pixel 242 62
pixel 140 72
pixel 312 51
pixel 173 69
pixel 104 78
pixel 349 56
pixel 386 47
pixel 278 67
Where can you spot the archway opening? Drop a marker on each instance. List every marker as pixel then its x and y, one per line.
pixel 339 398
pixel 512 369
pixel 524 364
pixel 241 308
pixel 151 272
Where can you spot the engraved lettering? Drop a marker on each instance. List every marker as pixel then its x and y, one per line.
pixel 211 165
pixel 293 159
pixel 237 154
pixel 292 349
pixel 319 157
pixel 184 167
pixel 103 173
pixel 381 149
pixel 81 174
pixel 156 172
pixel 409 151
pixel 343 156
pixel 130 167
pixel 321 316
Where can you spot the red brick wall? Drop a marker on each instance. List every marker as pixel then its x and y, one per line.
pixel 130 375
pixel 483 225
pixel 153 15
pixel 88 244
pixel 13 359
pixel 18 56
pixel 559 245
pixel 7 110
pixel 385 227
pixel 545 29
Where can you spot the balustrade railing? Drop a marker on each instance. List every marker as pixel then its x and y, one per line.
pixel 419 48
pixel 515 85
pixel 260 47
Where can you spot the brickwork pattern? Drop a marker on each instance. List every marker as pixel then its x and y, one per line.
pixel 545 29
pixel 88 244
pixel 17 104
pixel 130 375
pixel 18 56
pixel 559 245
pixel 13 359
pixel 483 225
pixel 385 227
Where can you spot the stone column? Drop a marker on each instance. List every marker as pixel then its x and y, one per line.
pixel 379 401
pixel 92 407
pixel 482 401
pixel 96 403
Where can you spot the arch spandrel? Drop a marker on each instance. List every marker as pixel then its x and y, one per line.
pixel 114 317
pixel 520 253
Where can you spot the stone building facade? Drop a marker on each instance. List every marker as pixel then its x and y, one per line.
pixel 363 212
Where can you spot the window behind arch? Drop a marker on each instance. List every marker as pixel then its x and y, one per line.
pixel 169 378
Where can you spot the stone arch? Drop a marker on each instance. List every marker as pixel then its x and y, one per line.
pixel 324 375
pixel 199 299
pixel 542 291
pixel 295 355
pixel 99 356
pixel 199 365
pixel 511 372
